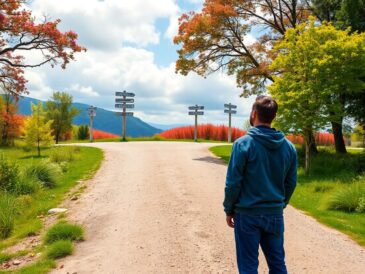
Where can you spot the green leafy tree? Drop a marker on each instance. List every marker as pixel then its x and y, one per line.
pixel 37 130
pixel 316 65
pixel 59 109
pixel 83 132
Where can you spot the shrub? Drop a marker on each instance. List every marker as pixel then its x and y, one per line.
pixel 351 198
pixel 27 185
pixel 83 132
pixel 60 249
pixel 64 231
pixel 45 171
pixel 99 134
pixel 64 154
pixel 8 211
pixel 8 174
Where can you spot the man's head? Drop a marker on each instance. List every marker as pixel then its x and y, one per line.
pixel 263 111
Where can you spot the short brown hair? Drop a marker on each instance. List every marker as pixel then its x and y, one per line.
pixel 266 108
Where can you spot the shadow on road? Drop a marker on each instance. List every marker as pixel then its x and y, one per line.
pixel 211 160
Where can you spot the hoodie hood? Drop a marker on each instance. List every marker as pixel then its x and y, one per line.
pixel 268 137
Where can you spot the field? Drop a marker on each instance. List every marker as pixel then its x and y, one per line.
pixel 336 182
pixel 31 206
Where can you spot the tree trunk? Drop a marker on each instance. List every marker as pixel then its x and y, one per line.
pixel 309 138
pixel 312 143
pixel 338 135
pixel 39 149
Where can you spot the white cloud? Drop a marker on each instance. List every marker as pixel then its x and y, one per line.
pixel 110 65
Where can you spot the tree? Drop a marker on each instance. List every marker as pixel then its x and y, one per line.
pixel 216 39
pixel 37 130
pixel 83 132
pixel 316 65
pixel 59 109
pixel 10 122
pixel 20 33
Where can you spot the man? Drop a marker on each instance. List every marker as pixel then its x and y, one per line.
pixel 261 178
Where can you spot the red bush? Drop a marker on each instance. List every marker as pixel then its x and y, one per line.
pixel 322 139
pixel 207 132
pixel 99 134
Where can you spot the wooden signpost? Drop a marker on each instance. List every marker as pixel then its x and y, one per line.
pixel 230 109
pixel 92 113
pixel 194 110
pixel 124 103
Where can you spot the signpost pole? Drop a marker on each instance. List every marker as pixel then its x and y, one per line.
pixel 196 127
pixel 91 128
pixel 229 128
pixel 124 121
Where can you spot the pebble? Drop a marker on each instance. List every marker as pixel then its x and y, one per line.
pixel 56 210
pixel 16 262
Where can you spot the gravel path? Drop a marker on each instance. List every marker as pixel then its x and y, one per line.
pixel 156 207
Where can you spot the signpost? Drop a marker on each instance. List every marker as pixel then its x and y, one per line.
pixel 196 113
pixel 124 103
pixel 230 109
pixel 92 113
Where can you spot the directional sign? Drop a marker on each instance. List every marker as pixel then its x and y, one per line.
pixel 196 113
pixel 230 111
pixel 124 113
pixel 124 93
pixel 126 100
pixel 124 106
pixel 230 106
pixel 196 107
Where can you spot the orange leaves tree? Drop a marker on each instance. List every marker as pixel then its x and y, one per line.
pixel 216 39
pixel 20 32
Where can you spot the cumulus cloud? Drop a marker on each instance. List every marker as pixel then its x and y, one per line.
pixel 116 33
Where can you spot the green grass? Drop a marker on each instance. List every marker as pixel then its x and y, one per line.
pixel 64 231
pixel 33 206
pixel 332 177
pixel 60 249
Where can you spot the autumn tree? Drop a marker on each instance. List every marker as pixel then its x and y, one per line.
pixel 37 130
pixel 21 33
pixel 59 109
pixel 316 65
pixel 217 39
pixel 10 121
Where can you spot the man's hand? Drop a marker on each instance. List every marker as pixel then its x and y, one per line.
pixel 230 220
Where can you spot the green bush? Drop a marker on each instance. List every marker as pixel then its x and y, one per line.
pixel 350 198
pixel 64 231
pixel 27 185
pixel 46 172
pixel 83 132
pixel 64 154
pixel 9 174
pixel 8 212
pixel 60 249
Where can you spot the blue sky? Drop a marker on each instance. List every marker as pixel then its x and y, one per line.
pixel 130 48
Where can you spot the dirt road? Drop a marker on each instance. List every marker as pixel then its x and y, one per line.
pixel 156 207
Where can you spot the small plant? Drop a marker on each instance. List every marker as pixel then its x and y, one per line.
pixel 8 174
pixel 83 132
pixel 351 198
pixel 27 185
pixel 60 249
pixel 64 231
pixel 44 171
pixel 8 211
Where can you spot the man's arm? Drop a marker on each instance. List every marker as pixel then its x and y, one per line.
pixel 291 178
pixel 234 178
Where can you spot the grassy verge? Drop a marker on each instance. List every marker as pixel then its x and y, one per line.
pixel 76 163
pixel 332 177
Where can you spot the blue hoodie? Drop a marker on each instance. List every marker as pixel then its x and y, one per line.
pixel 262 173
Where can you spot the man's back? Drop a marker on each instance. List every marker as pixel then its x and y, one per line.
pixel 264 163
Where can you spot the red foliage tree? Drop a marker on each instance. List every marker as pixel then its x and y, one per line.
pixel 206 132
pixel 20 33
pixel 99 134
pixel 10 122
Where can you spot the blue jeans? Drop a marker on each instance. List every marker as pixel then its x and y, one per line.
pixel 265 230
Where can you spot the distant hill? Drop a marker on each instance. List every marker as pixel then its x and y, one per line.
pixel 105 120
